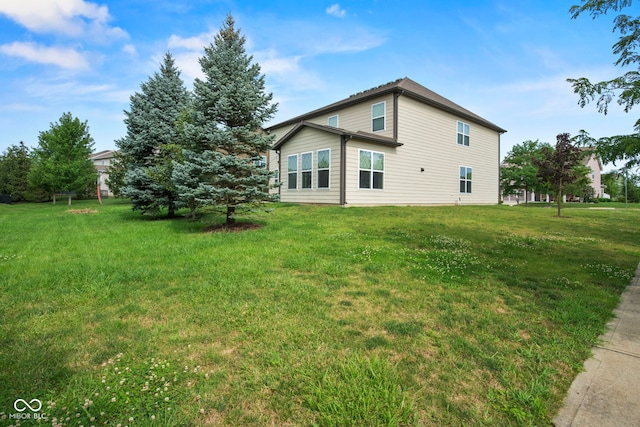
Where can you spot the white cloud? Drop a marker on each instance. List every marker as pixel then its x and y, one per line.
pixel 59 56
pixel 130 49
pixel 188 64
pixel 22 107
pixel 74 18
pixel 336 10
pixel 191 43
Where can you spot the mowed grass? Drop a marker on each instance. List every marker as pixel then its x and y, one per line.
pixel 324 316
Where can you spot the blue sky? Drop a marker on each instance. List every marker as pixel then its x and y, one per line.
pixel 506 60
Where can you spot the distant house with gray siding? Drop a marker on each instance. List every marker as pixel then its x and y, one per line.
pixel 396 144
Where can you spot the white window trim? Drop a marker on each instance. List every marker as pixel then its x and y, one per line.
pixel 371 170
pixel 468 135
pixel 290 172
pixel 337 120
pixel 384 116
pixel 327 169
pixel 306 170
pixel 465 179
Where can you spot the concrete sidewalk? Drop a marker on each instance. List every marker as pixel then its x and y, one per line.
pixel 607 393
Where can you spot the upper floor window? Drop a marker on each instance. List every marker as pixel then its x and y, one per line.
pixel 292 171
pixel 333 121
pixel 463 134
pixel 307 165
pixel 465 179
pixel 260 161
pixel 378 116
pixel 371 169
pixel 323 167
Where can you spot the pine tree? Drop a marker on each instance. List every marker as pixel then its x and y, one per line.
pixel 61 161
pixel 153 140
pixel 230 106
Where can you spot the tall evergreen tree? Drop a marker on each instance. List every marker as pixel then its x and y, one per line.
pixel 15 164
pixel 153 140
pixel 61 161
pixel 230 107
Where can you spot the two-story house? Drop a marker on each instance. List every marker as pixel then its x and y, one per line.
pixel 396 144
pixel 102 160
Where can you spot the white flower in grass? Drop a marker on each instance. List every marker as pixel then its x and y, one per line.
pixel 153 417
pixel 130 419
pixel 113 399
pixel 202 410
pixel 166 399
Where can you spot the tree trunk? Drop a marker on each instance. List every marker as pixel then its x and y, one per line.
pixel 172 208
pixel 54 198
pixel 559 201
pixel 526 197
pixel 69 202
pixel 231 211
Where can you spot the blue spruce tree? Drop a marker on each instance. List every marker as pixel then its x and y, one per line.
pixel 154 140
pixel 225 131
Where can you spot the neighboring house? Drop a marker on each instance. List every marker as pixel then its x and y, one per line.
pixel 102 160
pixel 396 144
pixel 595 165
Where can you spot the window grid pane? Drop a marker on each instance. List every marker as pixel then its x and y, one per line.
pixel 292 163
pixel 306 179
pixel 365 159
pixel 323 159
pixel 307 161
pixel 378 161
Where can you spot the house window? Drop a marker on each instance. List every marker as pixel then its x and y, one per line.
pixel 323 167
pixel 333 121
pixel 371 170
pixel 377 116
pixel 292 169
pixel 307 165
pixel 463 134
pixel 260 161
pixel 465 179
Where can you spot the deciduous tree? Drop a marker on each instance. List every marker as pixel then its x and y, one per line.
pixel 61 161
pixel 519 173
pixel 557 167
pixel 626 88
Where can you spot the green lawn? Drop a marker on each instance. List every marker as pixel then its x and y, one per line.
pixel 324 316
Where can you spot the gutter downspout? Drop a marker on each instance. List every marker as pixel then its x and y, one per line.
pixel 396 95
pixel 343 170
pixel 500 171
pixel 279 173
